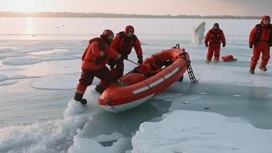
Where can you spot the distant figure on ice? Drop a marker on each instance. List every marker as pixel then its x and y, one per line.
pixel 123 43
pixel 199 31
pixel 260 39
pixel 213 40
pixel 94 60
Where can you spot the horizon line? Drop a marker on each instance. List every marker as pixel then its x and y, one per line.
pixel 101 13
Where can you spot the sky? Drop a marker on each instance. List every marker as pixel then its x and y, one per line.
pixel 153 7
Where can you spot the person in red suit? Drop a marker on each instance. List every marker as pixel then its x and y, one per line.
pixel 260 39
pixel 123 43
pixel 213 40
pixel 145 70
pixel 94 60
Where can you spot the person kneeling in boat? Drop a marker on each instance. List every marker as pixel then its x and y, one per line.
pixel 142 72
pixel 150 69
pixel 94 60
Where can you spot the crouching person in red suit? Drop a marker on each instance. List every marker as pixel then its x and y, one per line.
pixel 213 40
pixel 260 39
pixel 123 43
pixel 94 60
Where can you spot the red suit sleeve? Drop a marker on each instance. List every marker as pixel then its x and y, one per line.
pixel 115 42
pixel 222 37
pixel 207 37
pixel 252 35
pixel 95 49
pixel 112 53
pixel 138 48
pixel 85 52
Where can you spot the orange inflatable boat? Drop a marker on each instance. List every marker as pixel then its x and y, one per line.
pixel 134 89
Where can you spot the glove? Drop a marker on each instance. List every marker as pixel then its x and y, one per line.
pixel 270 44
pixel 250 45
pixel 124 56
pixel 224 44
pixel 140 59
pixel 111 63
pixel 206 44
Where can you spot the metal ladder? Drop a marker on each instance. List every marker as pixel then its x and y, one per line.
pixel 189 67
pixel 191 72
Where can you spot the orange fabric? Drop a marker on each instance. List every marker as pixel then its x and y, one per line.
pixel 81 88
pixel 213 50
pixel 260 47
pixel 215 36
pixel 148 68
pixel 92 52
pixel 118 45
pixel 132 78
pixel 129 94
pixel 162 56
pixel 227 58
pixel 87 76
pixel 264 34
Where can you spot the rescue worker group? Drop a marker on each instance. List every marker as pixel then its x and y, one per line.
pixel 113 50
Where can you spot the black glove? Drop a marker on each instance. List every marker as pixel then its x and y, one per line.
pixel 140 59
pixel 224 44
pixel 111 63
pixel 124 56
pixel 250 45
pixel 270 44
pixel 206 44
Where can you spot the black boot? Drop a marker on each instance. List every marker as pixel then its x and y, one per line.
pixel 99 88
pixel 78 97
pixel 180 79
pixel 251 70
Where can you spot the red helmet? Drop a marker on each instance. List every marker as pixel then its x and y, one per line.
pixel 129 28
pixel 107 33
pixel 265 20
pixel 266 17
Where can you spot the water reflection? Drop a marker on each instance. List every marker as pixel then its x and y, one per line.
pixel 29 28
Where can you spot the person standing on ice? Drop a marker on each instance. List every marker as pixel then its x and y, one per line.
pixel 123 42
pixel 94 60
pixel 260 39
pixel 213 40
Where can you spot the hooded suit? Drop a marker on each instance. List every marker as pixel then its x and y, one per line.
pixel 260 39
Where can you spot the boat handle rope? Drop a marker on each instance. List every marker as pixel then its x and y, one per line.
pixel 177 46
pixel 189 67
pixel 132 62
